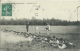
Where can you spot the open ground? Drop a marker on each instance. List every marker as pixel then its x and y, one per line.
pixel 11 42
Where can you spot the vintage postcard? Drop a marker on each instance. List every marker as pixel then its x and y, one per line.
pixel 40 25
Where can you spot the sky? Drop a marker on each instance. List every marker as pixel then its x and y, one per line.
pixel 58 9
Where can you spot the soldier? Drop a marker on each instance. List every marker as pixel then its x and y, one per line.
pixel 47 28
pixel 27 26
pixel 37 29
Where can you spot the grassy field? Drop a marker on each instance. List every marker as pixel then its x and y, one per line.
pixel 59 31
pixel 54 29
pixel 72 33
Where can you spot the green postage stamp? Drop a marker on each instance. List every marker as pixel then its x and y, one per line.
pixel 6 9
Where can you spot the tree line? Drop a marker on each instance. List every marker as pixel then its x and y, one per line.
pixel 37 22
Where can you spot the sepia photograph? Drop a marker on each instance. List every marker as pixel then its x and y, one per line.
pixel 39 25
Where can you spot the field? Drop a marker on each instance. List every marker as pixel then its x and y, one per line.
pixel 8 42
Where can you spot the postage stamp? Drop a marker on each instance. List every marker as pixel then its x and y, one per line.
pixel 6 9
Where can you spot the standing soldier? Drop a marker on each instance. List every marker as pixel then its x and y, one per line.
pixel 47 28
pixel 37 29
pixel 27 26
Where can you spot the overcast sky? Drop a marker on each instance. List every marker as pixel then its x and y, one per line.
pixel 58 9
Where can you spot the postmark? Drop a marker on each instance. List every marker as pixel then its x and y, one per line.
pixel 6 9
